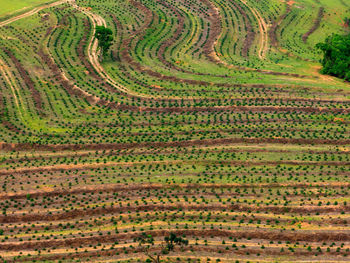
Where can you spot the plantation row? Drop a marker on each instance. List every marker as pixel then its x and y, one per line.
pixel 95 202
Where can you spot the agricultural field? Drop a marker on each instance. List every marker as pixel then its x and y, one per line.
pixel 208 119
pixel 9 8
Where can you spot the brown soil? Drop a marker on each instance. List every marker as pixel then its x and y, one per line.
pixel 248 42
pixel 256 234
pixel 206 252
pixel 75 167
pixel 76 213
pixel 316 24
pixel 208 142
pixel 135 187
pixel 274 26
pixel 27 80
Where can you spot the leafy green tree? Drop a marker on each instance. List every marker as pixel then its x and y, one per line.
pixel 105 38
pixel 171 241
pixel 347 21
pixel 336 60
pixel 146 244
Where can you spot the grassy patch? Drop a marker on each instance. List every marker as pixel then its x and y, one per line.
pixel 17 6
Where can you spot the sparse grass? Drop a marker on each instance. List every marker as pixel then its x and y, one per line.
pixel 9 8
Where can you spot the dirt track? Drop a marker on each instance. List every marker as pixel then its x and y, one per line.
pixel 263 31
pixel 32 12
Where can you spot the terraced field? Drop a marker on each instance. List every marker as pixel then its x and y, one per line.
pixel 209 119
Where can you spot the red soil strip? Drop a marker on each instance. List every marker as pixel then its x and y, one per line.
pixel 250 33
pixel 27 80
pixel 316 24
pixel 76 167
pixel 119 29
pixel 274 26
pixel 67 85
pixel 215 31
pixel 3 117
pixel 166 44
pixel 318 236
pixel 149 16
pixel 208 142
pixel 81 47
pixel 136 187
pixel 133 253
pixel 10 126
pixel 192 216
pixel 112 153
pixel 238 108
pixel 77 213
